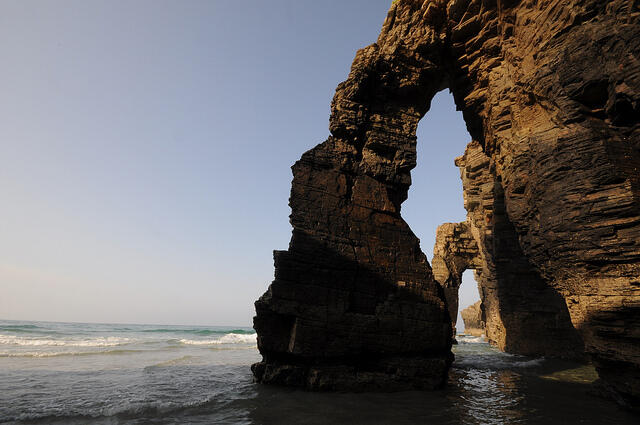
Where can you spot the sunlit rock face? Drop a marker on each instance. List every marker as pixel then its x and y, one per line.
pixel 472 317
pixel 523 313
pixel 454 252
pixel 550 92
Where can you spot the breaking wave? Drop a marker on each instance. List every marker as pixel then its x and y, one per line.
pixel 230 338
pixel 198 331
pixel 467 339
pixel 125 410
pixel 88 342
pixel 38 354
pixel 496 361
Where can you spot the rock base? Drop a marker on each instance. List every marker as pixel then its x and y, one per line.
pixel 391 374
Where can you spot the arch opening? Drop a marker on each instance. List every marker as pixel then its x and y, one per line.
pixel 519 311
pixel 436 196
pixel 471 322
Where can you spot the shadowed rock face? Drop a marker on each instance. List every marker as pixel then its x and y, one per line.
pixel 354 305
pixel 550 90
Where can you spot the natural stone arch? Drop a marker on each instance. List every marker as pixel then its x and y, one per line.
pixel 550 91
pixel 454 252
pixel 522 313
pixel 354 303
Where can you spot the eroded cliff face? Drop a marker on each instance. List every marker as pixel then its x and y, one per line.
pixel 550 91
pixel 524 314
pixel 552 97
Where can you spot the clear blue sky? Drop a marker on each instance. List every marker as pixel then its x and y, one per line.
pixel 145 149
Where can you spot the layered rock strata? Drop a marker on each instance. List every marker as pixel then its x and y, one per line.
pixel 473 319
pixel 524 314
pixel 454 252
pixel 551 92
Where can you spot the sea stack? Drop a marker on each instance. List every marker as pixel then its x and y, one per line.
pixel 473 322
pixel 550 93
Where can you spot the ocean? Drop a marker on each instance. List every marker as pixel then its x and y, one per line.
pixel 80 373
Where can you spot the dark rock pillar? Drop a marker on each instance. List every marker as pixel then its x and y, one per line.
pixel 354 304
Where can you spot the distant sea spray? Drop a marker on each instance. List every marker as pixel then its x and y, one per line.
pixel 42 339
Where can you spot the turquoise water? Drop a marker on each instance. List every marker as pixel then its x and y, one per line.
pixel 73 373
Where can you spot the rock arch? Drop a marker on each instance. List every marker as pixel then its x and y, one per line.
pixel 522 313
pixel 550 92
pixel 454 252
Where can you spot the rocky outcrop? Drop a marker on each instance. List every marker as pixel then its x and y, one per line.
pixel 550 91
pixel 473 321
pixel 454 252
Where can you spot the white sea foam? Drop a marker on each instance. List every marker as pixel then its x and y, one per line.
pixel 497 361
pixel 528 363
pixel 173 362
pixel 225 339
pixel 88 342
pixel 129 408
pixel 62 353
pixel 466 339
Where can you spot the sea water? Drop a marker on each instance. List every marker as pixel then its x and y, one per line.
pixel 78 373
